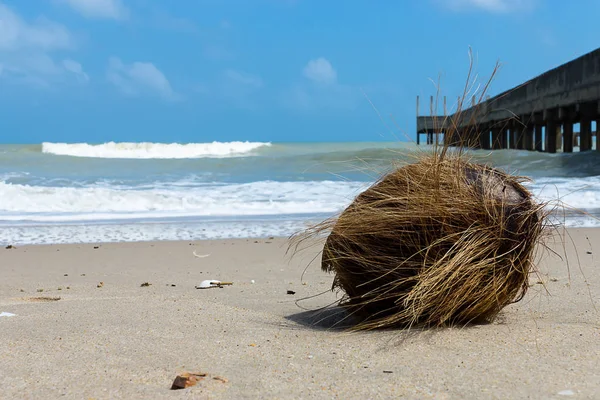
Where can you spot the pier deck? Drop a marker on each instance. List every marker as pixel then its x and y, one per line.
pixel 538 115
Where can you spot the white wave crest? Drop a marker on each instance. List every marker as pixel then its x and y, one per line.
pixel 579 193
pixel 146 150
pixel 53 204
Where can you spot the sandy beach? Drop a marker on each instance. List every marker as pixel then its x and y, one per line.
pixel 73 337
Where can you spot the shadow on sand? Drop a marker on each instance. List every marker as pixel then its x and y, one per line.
pixel 338 319
pixel 334 318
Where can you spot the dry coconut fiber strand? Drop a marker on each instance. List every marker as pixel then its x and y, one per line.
pixel 439 242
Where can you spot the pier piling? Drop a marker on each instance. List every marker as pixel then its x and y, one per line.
pixel 585 134
pixel 551 135
pixel 567 136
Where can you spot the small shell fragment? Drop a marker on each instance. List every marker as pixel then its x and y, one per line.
pixel 7 314
pixel 187 379
pixel 212 283
pixel 200 255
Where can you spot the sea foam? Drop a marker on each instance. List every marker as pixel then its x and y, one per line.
pixel 574 193
pixel 147 150
pixel 62 204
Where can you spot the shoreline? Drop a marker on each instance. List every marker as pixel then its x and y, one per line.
pixel 202 230
pixel 125 340
pixel 148 232
pixel 297 227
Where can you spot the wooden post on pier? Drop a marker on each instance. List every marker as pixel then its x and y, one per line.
pixel 549 117
pixel 585 133
pixel 520 131
pixel 551 135
pixel 430 134
pixel 496 138
pixel 515 135
pixel 503 137
pixel 418 134
pixel 431 105
pixel 460 137
pixel 484 138
pixel 445 108
pixel 568 136
pixel 528 137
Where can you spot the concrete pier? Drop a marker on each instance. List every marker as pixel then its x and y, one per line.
pixel 538 115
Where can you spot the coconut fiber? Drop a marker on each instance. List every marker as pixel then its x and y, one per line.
pixel 438 242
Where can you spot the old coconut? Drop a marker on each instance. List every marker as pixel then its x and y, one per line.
pixel 439 242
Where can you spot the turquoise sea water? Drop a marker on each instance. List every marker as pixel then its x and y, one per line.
pixel 65 193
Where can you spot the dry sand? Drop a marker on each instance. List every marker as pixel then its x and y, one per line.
pixel 122 340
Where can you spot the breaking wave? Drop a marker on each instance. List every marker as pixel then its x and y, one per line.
pixel 148 150
pixel 41 203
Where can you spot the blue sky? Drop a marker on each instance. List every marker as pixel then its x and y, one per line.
pixel 262 70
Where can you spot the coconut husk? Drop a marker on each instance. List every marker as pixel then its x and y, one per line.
pixel 439 242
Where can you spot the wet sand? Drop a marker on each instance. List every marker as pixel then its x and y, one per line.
pixel 81 339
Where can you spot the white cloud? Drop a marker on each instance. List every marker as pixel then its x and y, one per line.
pixel 498 6
pixel 323 92
pixel 139 78
pixel 26 49
pixel 41 34
pixel 102 9
pixel 76 68
pixel 320 71
pixel 326 95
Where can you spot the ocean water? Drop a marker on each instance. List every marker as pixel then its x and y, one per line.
pixel 74 193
